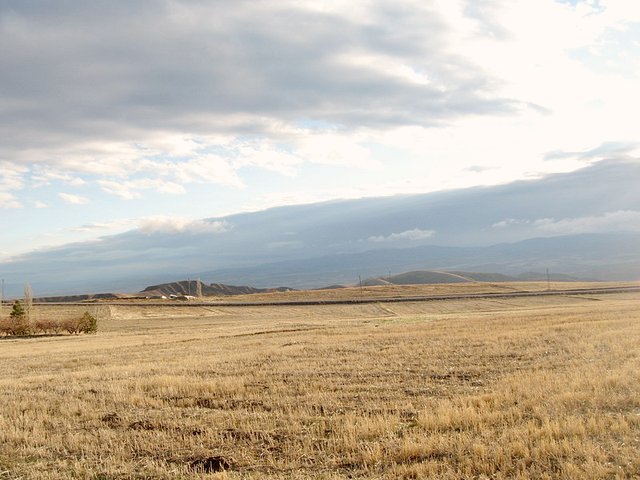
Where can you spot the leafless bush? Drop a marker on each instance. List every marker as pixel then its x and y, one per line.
pixel 6 327
pixel 71 325
pixel 47 326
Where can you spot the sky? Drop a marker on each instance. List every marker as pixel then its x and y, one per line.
pixel 157 113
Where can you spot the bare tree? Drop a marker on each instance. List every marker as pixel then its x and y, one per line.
pixel 28 301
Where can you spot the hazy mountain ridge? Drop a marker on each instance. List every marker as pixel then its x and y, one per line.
pixel 599 256
pixel 553 222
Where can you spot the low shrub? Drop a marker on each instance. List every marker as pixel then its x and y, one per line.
pixel 71 325
pixel 47 326
pixel 18 323
pixel 88 323
pixel 6 327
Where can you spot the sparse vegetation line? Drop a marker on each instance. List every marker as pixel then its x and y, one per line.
pixel 22 322
pixel 363 300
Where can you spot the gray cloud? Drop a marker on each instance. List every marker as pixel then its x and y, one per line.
pixel 75 73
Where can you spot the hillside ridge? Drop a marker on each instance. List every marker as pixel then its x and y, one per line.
pixel 194 287
pixel 417 277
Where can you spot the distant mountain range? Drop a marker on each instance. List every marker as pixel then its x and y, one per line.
pixel 187 289
pixel 588 256
pixel 584 223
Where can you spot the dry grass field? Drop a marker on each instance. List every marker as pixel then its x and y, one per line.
pixel 390 291
pixel 518 388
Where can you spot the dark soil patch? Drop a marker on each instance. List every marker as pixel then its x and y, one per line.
pixel 112 419
pixel 210 464
pixel 142 425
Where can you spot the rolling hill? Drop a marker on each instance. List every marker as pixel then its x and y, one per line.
pixel 428 276
pixel 192 287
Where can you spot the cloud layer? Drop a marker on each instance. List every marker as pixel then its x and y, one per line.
pixel 204 88
pixel 201 107
pixel 161 248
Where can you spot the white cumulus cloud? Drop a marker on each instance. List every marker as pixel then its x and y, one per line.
pixel 71 199
pixel 507 222
pixel 168 224
pixel 618 221
pixel 411 235
pixel 8 201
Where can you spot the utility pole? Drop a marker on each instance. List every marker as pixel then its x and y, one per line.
pixel 360 282
pixel 548 280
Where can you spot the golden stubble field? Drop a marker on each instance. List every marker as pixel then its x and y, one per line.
pixel 399 291
pixel 513 388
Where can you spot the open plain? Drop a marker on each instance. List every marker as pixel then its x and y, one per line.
pixel 535 387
